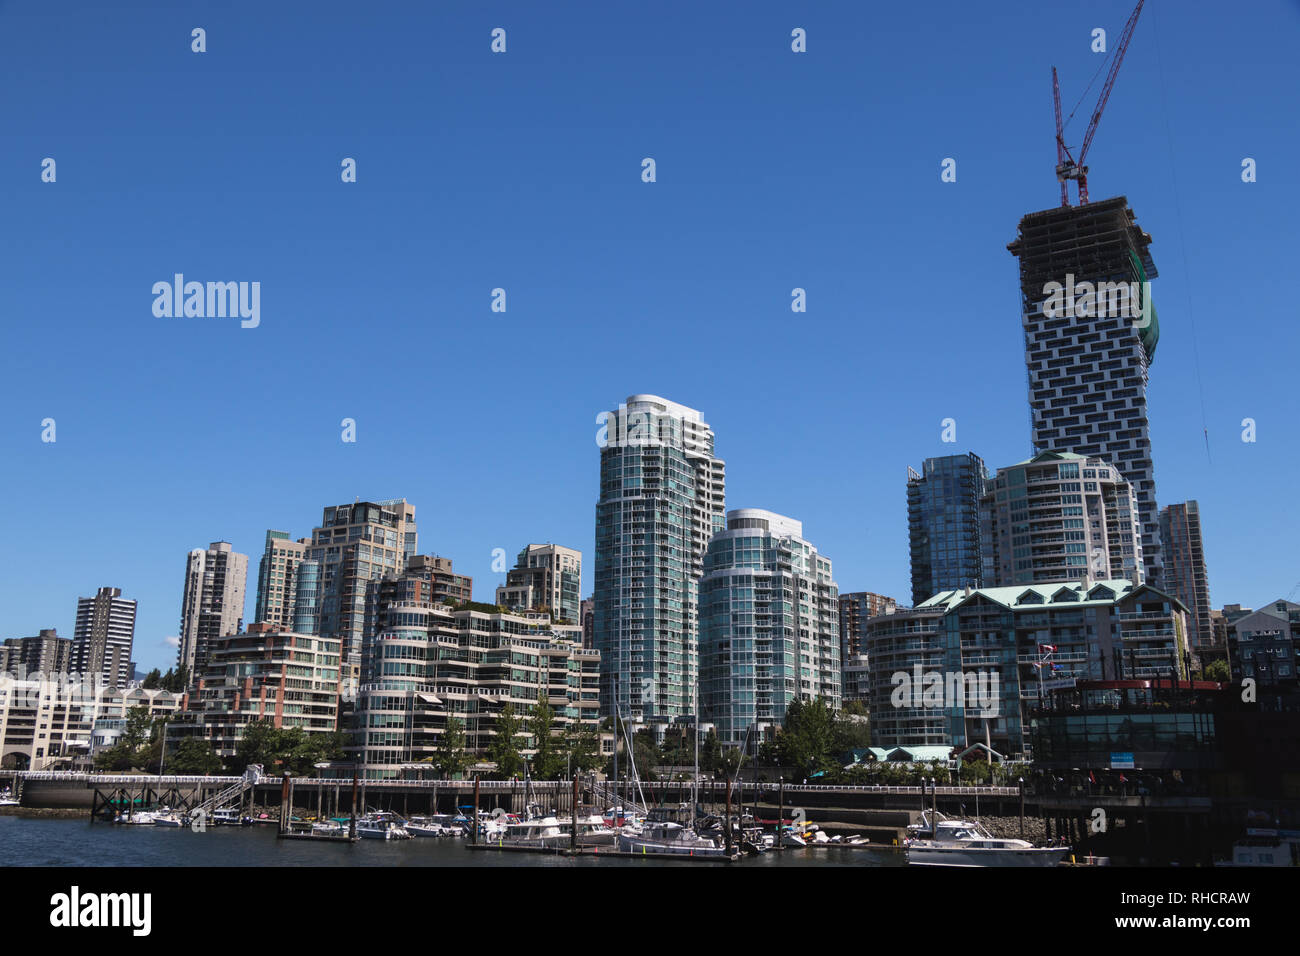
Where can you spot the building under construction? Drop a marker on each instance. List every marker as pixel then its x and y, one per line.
pixel 1088 355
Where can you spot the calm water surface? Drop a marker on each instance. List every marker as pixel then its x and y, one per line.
pixel 39 842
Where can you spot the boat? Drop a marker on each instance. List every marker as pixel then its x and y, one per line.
pixel 382 825
pixel 967 843
pixel 451 824
pixel 229 817
pixel 664 838
pixel 594 831
pixel 329 828
pixel 7 798
pixel 1265 847
pixel 427 827
pixel 140 818
pixel 167 817
pixel 537 832
pixel 618 817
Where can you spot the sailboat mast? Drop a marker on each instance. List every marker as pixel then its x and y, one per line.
pixel 695 723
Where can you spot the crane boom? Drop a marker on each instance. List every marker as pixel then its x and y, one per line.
pixel 1066 165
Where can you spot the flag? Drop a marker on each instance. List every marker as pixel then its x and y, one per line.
pixel 1049 648
pixel 1091 778
pixel 1123 779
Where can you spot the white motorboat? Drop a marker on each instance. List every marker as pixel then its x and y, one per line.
pixel 329 828
pixel 965 843
pixel 382 825
pixel 166 817
pixel 425 827
pixel 539 832
pixel 669 839
pixel 228 817
pixel 140 818
pixel 7 798
pixel 594 831
pixel 1265 847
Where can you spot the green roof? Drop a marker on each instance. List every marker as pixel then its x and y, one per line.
pixel 1056 594
pixel 1050 456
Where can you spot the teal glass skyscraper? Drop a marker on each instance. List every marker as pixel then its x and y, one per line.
pixel 662 497
pixel 769 626
pixel 943 524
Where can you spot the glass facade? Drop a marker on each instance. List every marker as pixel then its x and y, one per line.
pixel 943 522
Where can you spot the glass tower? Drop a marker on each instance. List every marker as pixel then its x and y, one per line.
pixel 661 500
pixel 943 524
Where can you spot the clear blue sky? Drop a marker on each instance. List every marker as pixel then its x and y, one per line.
pixel 522 171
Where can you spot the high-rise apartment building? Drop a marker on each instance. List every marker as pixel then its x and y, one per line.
pixel 427 664
pixel 354 545
pixel 943 524
pixel 45 654
pixel 1090 338
pixel 212 606
pixel 1186 576
pixel 588 623
pixel 769 626
pixel 962 667
pixel 102 639
pixel 286 679
pixel 662 497
pixel 856 608
pixel 1059 517
pixel 277 579
pixel 545 577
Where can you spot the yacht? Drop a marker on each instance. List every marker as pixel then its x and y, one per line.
pixel 329 828
pixel 1265 847
pixel 228 817
pixel 167 817
pixel 7 798
pixel 430 827
pixel 594 831
pixel 140 818
pixel 966 843
pixel 382 825
pixel 669 839
pixel 537 832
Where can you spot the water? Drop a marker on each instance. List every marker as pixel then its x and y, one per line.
pixel 26 841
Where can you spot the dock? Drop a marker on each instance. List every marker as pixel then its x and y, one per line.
pixel 597 851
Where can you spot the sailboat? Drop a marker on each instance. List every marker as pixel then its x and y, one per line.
pixel 662 836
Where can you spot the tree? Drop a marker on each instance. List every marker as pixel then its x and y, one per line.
pixel 194 756
pixel 807 737
pixel 645 754
pixel 729 761
pixel 259 743
pixel 547 762
pixel 301 750
pixel 1218 670
pixel 583 744
pixel 504 749
pixel 450 758
pixel 139 726
pixel 850 732
pixel 710 752
pixel 115 758
pixel 152 680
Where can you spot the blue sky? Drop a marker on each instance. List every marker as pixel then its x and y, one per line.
pixel 521 170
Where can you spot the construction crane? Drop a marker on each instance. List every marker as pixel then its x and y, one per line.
pixel 1067 167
